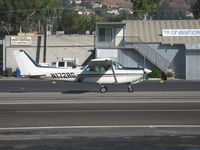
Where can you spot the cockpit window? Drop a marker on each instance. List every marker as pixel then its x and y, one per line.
pixel 98 68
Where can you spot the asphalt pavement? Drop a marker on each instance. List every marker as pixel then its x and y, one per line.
pixel 73 87
pixel 102 143
pixel 41 115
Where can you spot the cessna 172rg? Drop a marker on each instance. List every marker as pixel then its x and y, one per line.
pixel 101 71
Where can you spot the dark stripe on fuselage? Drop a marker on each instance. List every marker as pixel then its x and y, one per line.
pixel 129 68
pixel 109 75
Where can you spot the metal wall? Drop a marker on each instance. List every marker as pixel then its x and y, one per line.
pixel 128 58
pixel 176 54
pixel 107 53
pixel 131 58
pixel 193 64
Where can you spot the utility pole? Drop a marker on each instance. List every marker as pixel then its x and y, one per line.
pixel 59 26
pixel 45 40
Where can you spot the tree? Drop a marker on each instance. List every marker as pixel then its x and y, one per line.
pixel 143 9
pixel 17 15
pixel 167 12
pixel 195 8
pixel 73 23
pixel 86 4
pixel 112 18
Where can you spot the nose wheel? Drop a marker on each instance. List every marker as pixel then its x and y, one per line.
pixel 130 89
pixel 103 89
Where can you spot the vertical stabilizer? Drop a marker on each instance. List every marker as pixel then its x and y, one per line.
pixel 25 63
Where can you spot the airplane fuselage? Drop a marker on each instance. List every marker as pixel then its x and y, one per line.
pixel 100 77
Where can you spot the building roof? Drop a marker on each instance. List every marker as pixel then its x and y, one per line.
pixel 151 31
pixel 111 24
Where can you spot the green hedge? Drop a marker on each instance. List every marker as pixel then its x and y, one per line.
pixel 156 73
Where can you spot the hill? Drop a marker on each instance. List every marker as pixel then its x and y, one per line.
pixel 180 4
pixel 120 3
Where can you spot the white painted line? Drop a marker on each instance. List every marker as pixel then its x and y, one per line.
pixel 85 111
pixel 98 127
pixel 93 102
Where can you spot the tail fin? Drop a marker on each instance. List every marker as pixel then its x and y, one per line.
pixel 25 63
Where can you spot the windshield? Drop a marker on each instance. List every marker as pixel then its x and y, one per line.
pixel 118 66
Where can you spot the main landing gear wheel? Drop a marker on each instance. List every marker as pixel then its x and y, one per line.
pixel 130 89
pixel 103 89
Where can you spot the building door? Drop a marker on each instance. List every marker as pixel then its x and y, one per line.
pixel 193 64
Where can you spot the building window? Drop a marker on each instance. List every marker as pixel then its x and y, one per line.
pixel 105 34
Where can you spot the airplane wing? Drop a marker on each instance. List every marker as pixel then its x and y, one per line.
pixel 101 61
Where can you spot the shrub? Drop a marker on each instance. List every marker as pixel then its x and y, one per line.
pixel 156 73
pixel 8 72
pixel 170 74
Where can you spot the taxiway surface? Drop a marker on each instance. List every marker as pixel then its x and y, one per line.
pixel 76 88
pixel 96 109
pixel 39 112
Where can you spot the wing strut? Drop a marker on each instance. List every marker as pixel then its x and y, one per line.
pixel 114 75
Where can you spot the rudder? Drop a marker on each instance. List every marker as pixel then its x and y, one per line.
pixel 25 63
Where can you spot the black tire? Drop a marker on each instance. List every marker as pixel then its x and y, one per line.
pixel 103 89
pixel 130 89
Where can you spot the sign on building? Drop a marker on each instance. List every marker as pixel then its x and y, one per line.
pixel 20 40
pixel 181 32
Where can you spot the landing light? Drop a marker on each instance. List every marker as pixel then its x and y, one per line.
pixel 53 82
pixel 161 81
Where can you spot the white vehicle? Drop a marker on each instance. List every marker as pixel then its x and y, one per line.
pixel 101 71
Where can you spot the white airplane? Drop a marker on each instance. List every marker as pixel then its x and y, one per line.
pixel 101 71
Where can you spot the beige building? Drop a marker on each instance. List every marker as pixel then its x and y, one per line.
pixel 77 47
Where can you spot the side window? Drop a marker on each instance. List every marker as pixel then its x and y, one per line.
pixel 91 68
pixel 98 68
pixel 61 64
pixel 54 64
pixel 108 68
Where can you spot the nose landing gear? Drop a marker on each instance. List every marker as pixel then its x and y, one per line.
pixel 130 88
